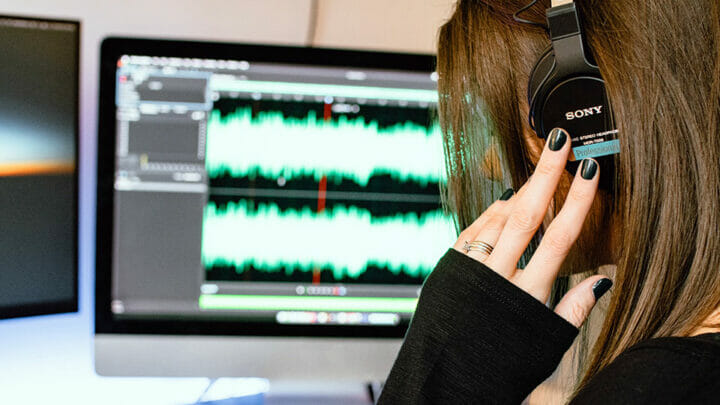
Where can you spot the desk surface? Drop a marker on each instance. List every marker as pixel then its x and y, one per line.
pixel 49 359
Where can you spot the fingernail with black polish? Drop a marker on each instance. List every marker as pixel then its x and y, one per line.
pixel 588 169
pixel 601 287
pixel 557 139
pixel 507 194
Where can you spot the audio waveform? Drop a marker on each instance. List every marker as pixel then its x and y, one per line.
pixel 272 146
pixel 378 205
pixel 378 183
pixel 385 116
pixel 266 243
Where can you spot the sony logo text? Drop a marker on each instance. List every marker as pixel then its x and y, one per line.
pixel 583 113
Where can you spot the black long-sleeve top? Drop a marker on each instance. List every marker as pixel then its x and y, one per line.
pixel 477 338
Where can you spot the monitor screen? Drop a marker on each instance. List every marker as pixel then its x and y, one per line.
pixel 38 176
pixel 266 190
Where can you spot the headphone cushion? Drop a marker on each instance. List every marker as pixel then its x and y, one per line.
pixel 540 72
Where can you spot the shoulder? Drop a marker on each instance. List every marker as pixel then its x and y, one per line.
pixel 662 370
pixel 703 348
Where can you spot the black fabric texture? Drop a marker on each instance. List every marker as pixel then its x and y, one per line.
pixel 476 338
pixel 673 370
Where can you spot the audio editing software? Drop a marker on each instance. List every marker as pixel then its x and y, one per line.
pixel 282 193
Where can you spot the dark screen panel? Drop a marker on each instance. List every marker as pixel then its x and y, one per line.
pixel 38 169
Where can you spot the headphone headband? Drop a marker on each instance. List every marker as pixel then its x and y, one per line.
pixel 567 41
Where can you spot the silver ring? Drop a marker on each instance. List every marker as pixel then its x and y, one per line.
pixel 479 246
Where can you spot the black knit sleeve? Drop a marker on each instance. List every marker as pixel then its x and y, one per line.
pixel 475 338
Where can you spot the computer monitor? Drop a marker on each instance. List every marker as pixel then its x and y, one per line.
pixel 263 211
pixel 38 170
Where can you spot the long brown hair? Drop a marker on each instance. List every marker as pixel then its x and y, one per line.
pixel 662 71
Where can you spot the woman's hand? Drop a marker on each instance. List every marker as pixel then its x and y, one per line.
pixel 510 225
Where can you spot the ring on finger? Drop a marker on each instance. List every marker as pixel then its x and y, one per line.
pixel 478 245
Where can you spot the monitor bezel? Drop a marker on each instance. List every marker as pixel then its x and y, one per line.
pixel 71 305
pixel 111 50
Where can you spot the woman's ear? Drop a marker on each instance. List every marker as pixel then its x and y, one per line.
pixel 490 165
pixel 534 144
pixel 710 325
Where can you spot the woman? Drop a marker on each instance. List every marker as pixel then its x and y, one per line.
pixel 481 332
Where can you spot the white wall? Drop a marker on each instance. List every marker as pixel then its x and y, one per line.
pixel 400 25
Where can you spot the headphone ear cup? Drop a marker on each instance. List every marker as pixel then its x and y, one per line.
pixel 538 77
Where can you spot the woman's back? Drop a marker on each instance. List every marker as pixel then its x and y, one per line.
pixel 663 370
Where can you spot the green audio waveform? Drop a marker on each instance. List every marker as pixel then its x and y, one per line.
pixel 271 146
pixel 344 239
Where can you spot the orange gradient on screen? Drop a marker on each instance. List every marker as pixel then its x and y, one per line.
pixel 36 168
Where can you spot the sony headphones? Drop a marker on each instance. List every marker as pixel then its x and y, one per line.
pixel 566 90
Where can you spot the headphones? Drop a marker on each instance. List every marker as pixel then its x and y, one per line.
pixel 566 90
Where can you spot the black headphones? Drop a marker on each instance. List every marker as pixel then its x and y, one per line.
pixel 566 91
